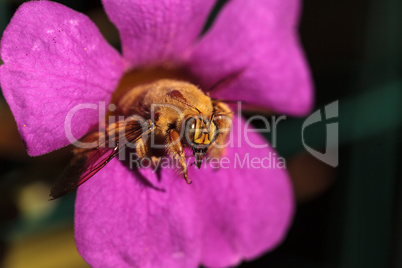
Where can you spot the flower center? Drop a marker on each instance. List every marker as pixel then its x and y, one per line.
pixel 138 77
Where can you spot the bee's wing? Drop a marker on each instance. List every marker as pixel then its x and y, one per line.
pixel 88 161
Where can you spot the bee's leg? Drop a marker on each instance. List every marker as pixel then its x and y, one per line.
pixel 143 151
pixel 175 149
pixel 223 119
pixel 141 148
pixel 155 161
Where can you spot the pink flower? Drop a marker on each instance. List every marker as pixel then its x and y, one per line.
pixel 55 58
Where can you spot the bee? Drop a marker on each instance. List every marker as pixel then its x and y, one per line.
pixel 158 119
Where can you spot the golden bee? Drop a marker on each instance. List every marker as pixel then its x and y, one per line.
pixel 155 120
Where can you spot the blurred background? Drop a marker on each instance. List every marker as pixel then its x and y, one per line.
pixel 348 216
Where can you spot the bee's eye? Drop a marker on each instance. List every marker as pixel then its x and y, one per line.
pixel 190 129
pixel 215 131
pixel 192 124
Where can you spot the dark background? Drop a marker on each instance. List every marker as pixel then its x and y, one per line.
pixel 349 216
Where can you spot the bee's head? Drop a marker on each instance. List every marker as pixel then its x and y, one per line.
pixel 200 132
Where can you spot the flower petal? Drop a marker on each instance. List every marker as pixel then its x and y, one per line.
pixel 55 59
pixel 259 39
pixel 157 32
pixel 122 222
pixel 247 204
pixel 226 215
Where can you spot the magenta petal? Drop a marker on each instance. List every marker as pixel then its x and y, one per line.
pixel 55 59
pixel 157 32
pixel 260 39
pixel 247 205
pixel 120 222
pixel 223 217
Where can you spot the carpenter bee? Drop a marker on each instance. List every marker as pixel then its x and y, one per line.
pixel 154 120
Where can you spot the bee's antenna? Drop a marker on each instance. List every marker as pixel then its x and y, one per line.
pixel 225 81
pixel 233 101
pixel 176 95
